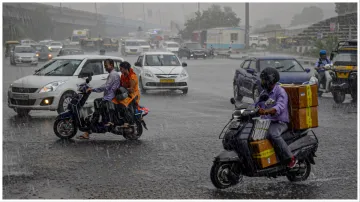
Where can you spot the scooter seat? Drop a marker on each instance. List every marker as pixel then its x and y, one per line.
pixel 302 142
pixel 289 135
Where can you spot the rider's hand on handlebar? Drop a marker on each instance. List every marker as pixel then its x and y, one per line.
pixel 262 111
pixel 88 90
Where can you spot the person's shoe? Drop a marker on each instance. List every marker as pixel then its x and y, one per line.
pixel 125 125
pixel 108 124
pixel 292 162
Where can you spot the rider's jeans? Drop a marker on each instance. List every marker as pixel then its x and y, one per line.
pixel 321 76
pixel 274 133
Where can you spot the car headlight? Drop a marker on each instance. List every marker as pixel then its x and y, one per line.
pixel 10 87
pixel 37 55
pixel 148 73
pixel 51 86
pixel 183 73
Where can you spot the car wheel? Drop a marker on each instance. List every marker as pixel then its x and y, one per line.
pixel 237 96
pixel 256 93
pixel 142 90
pixel 64 101
pixel 22 112
pixel 185 91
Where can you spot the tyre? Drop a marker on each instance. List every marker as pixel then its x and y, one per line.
pixel 65 128
pixel 339 97
pixel 354 95
pixel 22 112
pixel 139 129
pixel 185 91
pixel 237 95
pixel 300 173
pixel 64 101
pixel 219 175
pixel 256 93
pixel 142 90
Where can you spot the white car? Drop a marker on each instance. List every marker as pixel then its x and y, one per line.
pixel 55 46
pixel 171 46
pixel 52 86
pixel 24 55
pixel 145 46
pixel 131 47
pixel 161 71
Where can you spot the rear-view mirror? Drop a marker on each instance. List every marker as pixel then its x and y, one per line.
pixel 184 64
pixel 232 101
pixel 251 71
pixel 307 70
pixel 332 56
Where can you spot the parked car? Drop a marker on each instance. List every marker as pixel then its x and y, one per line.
pixel 161 70
pixel 51 86
pixel 42 52
pixel 27 42
pixel 23 55
pixel 70 51
pixel 145 46
pixel 246 82
pixel 192 50
pixel 55 46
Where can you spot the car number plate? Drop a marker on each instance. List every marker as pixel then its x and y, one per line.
pixel 20 97
pixel 167 80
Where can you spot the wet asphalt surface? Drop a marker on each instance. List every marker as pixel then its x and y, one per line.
pixel 171 160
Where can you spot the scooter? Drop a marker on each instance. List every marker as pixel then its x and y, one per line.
pixel 68 122
pixel 238 158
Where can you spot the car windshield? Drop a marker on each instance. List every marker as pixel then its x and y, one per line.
pixel 131 43
pixel 172 45
pixel 193 45
pixel 143 43
pixel 38 48
pixel 161 60
pixel 286 65
pixel 61 67
pixel 24 50
pixel 56 44
pixel 350 57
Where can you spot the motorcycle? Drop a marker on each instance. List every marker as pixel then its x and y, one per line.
pixel 238 158
pixel 68 122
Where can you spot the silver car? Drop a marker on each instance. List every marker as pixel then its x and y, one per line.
pixel 52 86
pixel 23 55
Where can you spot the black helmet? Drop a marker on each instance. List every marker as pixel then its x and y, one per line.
pixel 121 93
pixel 125 65
pixel 269 76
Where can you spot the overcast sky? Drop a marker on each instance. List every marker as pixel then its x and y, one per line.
pixel 279 13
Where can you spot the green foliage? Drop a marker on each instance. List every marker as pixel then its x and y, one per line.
pixel 327 44
pixel 211 18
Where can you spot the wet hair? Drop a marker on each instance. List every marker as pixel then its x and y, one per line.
pixel 125 65
pixel 111 62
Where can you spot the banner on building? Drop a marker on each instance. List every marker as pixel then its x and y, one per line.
pixel 332 27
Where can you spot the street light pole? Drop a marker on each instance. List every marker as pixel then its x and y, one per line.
pixel 199 16
pixel 144 15
pixel 247 27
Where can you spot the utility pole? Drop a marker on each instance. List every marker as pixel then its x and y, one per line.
pixel 123 11
pixel 159 16
pixel 144 15
pixel 247 27
pixel 199 16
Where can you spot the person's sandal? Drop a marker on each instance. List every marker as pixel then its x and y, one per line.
pixel 83 137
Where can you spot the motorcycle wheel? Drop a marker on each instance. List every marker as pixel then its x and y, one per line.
pixel 300 173
pixel 339 97
pixel 139 132
pixel 219 175
pixel 65 128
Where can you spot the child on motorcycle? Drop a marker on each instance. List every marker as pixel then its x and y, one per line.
pixel 275 108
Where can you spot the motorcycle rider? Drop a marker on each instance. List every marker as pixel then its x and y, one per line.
pixel 275 108
pixel 109 88
pixel 322 74
pixel 129 81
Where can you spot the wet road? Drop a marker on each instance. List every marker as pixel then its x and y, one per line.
pixel 172 160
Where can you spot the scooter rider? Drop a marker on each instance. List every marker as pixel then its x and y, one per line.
pixel 109 89
pixel 275 108
pixel 322 74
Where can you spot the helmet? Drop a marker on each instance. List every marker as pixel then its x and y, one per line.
pixel 121 93
pixel 269 76
pixel 125 65
pixel 322 52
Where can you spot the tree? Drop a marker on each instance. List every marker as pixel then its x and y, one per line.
pixel 342 8
pixel 210 18
pixel 327 44
pixel 310 14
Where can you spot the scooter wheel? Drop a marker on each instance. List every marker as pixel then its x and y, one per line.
pixel 65 128
pixel 300 173
pixel 219 175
